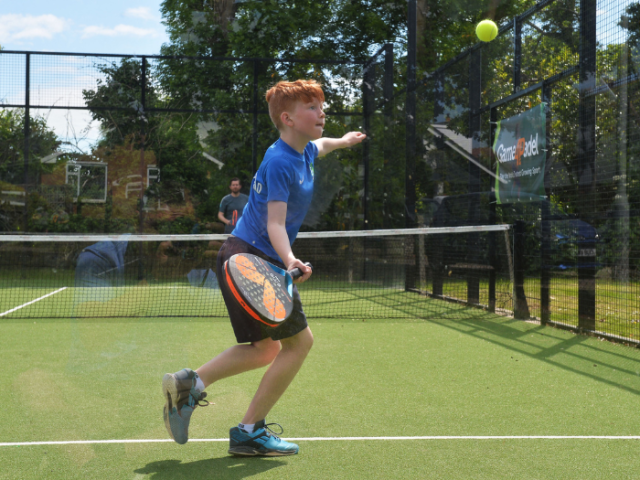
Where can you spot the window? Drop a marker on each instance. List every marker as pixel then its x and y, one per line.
pixel 153 175
pixel 88 181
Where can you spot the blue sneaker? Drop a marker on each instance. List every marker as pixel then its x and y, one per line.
pixel 263 441
pixel 182 398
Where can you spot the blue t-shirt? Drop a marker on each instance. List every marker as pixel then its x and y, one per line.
pixel 286 176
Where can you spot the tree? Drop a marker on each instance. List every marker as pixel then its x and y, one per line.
pixel 171 138
pixel 334 30
pixel 42 142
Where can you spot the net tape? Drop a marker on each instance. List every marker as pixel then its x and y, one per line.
pixel 219 237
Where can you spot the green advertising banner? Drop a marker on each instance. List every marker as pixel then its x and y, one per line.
pixel 520 150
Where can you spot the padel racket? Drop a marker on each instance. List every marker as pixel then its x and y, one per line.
pixel 262 289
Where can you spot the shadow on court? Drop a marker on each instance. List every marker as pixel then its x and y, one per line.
pixel 614 365
pixel 227 468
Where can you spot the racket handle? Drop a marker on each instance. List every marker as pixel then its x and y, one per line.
pixel 296 272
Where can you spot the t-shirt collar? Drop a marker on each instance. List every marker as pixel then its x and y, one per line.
pixel 290 150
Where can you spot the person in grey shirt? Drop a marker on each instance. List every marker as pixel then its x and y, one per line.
pixel 232 206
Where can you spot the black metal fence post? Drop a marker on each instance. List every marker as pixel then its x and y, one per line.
pixel 254 136
pixel 27 138
pixel 27 118
pixel 368 83
pixel 517 54
pixel 143 173
pixel 437 241
pixel 410 119
pixel 493 236
pixel 388 130
pixel 410 152
pixel 545 223
pixel 587 163
pixel 520 305
pixel 475 102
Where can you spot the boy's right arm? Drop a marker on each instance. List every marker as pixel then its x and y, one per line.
pixel 276 221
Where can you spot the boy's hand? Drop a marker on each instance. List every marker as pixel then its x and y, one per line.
pixel 353 138
pixel 306 271
pixel 327 145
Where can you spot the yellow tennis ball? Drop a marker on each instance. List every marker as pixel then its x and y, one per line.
pixel 487 30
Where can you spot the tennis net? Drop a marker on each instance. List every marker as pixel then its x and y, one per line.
pixel 410 273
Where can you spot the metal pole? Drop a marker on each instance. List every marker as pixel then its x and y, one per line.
pixel 143 85
pixel 493 236
pixel 27 119
pixel 388 131
pixel 475 102
pixel 517 53
pixel 587 163
pixel 410 138
pixel 520 306
pixel 622 199
pixel 141 203
pixel 254 142
pixel 410 118
pixel 27 137
pixel 368 83
pixel 545 270
pixel 436 241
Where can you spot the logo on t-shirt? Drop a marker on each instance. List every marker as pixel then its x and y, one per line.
pixel 257 186
pixel 312 173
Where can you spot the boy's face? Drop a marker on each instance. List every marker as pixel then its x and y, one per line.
pixel 308 119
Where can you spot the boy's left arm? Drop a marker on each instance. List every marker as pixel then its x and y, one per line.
pixel 328 145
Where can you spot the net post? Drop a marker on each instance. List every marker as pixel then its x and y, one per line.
pixel 587 162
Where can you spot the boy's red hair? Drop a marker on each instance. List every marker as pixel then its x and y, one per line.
pixel 283 95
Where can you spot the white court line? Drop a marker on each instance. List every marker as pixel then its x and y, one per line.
pixel 333 439
pixel 32 301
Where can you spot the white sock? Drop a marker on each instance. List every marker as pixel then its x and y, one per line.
pixel 247 428
pixel 200 384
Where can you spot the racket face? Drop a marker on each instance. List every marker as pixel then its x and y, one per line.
pixel 262 289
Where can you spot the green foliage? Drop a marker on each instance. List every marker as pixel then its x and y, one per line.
pixel 333 30
pixel 171 137
pixel 43 141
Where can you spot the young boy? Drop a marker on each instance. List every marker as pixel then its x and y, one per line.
pixel 280 197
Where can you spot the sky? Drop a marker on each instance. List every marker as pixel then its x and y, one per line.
pixel 83 26
pixel 114 27
pixel 74 26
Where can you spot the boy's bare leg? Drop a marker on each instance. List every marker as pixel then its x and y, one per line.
pixel 279 375
pixel 239 359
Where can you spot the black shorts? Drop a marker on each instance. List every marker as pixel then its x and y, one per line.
pixel 247 328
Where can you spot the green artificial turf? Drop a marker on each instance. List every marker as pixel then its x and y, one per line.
pixel 100 380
